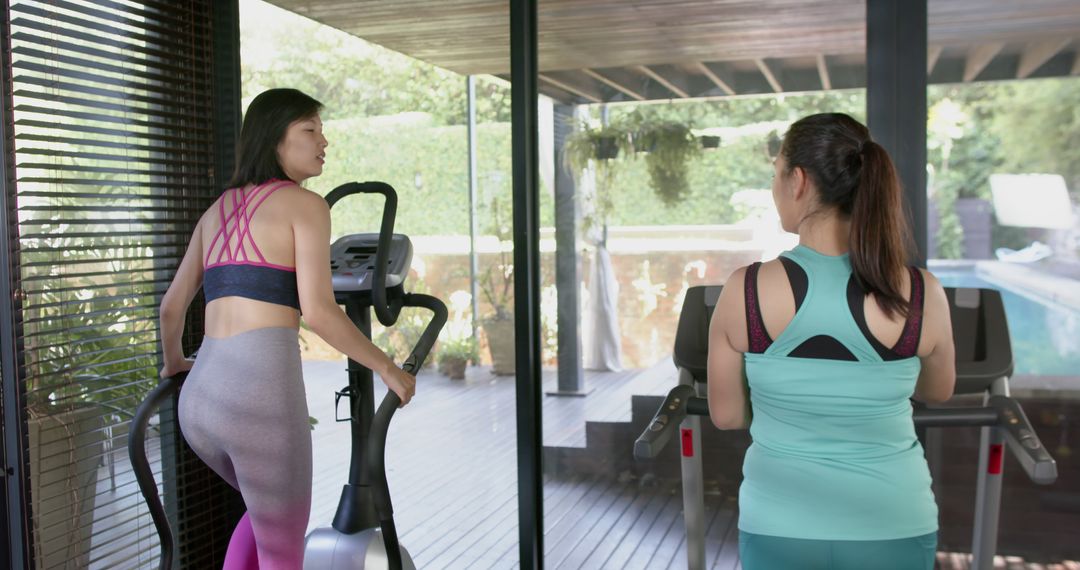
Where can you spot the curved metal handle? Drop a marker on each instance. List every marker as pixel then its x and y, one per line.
pixel 386 312
pixel 664 423
pixel 1024 442
pixel 1006 414
pixel 380 423
pixel 141 465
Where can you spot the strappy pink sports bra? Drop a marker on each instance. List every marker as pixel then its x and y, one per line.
pixel 235 271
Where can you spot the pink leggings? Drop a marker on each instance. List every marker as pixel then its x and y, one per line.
pixel 242 554
pixel 244 412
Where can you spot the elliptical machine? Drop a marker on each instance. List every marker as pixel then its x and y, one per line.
pixel 984 364
pixel 368 271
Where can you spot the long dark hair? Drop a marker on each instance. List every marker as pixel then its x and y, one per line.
pixel 268 117
pixel 856 176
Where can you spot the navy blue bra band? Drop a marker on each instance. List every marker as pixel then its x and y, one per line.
pixel 256 282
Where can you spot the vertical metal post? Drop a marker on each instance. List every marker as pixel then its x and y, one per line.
pixel 896 98
pixel 474 271
pixel 525 135
pixel 693 480
pixel 567 264
pixel 15 542
pixel 988 487
pixel 896 110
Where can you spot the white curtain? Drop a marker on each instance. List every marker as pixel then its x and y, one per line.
pixel 603 349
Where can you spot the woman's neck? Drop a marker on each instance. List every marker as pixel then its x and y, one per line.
pixel 826 234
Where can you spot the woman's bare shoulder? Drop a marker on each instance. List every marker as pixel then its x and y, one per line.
pixel 301 200
pixel 935 303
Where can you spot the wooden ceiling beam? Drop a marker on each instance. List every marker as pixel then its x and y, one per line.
pixel 978 59
pixel 764 67
pixel 823 72
pixel 567 86
pixel 714 77
pixel 470 36
pixel 644 70
pixel 613 84
pixel 1036 53
pixel 933 53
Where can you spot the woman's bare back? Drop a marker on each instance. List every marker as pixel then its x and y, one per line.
pixel 778 308
pixel 268 237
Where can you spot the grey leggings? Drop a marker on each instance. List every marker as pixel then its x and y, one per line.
pixel 244 412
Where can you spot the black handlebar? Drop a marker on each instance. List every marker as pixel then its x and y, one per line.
pixel 667 418
pixel 386 312
pixel 380 423
pixel 141 465
pixel 1002 412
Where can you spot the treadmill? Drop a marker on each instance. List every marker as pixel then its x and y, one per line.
pixel 984 364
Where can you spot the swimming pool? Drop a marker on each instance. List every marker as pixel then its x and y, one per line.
pixel 1044 333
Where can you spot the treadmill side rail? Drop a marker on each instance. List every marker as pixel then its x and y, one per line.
pixel 664 423
pixel 1024 442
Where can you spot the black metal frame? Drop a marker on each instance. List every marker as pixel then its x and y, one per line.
pixel 896 82
pixel 15 542
pixel 525 129
pixel 896 110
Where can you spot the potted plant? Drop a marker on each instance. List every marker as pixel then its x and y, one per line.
pixel 81 387
pixel 454 356
pixel 496 284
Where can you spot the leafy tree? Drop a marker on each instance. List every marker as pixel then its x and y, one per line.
pixel 1038 125
pixel 352 77
pixel 1014 126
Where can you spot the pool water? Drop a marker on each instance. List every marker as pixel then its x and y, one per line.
pixel 1045 335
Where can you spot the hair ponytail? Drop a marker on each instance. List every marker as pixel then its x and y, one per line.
pixel 855 175
pixel 879 230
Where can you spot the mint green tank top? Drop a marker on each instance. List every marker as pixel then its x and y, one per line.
pixel 834 454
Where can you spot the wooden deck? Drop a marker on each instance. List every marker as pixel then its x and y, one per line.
pixel 451 461
pixel 451 464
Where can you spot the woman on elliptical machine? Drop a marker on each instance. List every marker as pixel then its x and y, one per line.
pixel 819 351
pixel 261 254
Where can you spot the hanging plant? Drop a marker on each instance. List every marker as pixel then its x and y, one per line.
pixel 773 142
pixel 599 147
pixel 602 144
pixel 671 146
pixel 710 141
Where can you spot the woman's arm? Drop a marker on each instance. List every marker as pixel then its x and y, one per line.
pixel 937 378
pixel 729 395
pixel 175 303
pixel 311 235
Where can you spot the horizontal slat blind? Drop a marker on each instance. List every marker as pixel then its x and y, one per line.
pixel 114 154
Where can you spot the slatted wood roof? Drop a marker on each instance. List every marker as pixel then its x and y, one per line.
pixel 610 50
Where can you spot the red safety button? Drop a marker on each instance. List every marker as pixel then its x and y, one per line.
pixel 997 456
pixel 687 442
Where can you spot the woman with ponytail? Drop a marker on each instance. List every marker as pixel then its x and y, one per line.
pixel 819 351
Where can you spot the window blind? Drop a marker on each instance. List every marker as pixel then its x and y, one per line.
pixel 112 127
